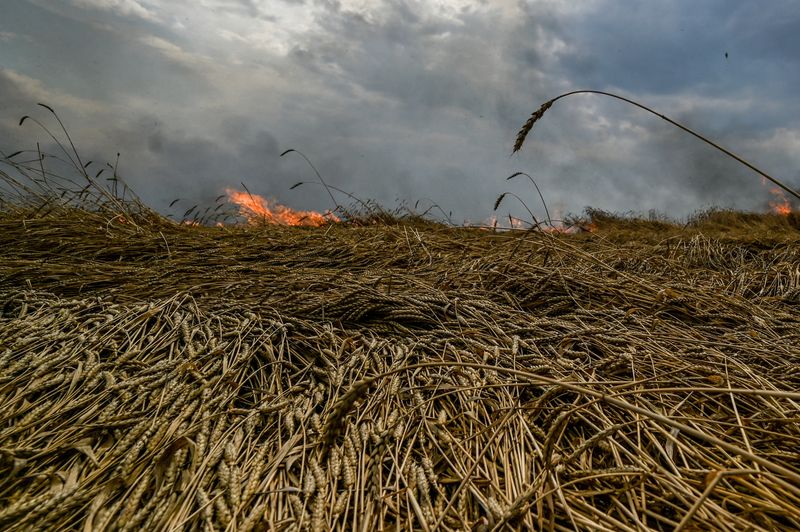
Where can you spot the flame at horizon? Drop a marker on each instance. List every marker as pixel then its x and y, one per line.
pixel 258 209
pixel 780 204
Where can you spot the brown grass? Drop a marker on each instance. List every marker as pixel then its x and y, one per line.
pixel 161 376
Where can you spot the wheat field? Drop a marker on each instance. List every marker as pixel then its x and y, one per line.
pixel 398 375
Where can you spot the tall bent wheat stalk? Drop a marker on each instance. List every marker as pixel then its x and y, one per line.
pixel 537 115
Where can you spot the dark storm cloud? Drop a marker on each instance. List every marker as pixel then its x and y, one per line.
pixel 442 85
pixel 664 47
pixel 662 51
pixel 598 52
pixel 425 64
pixel 646 47
pixel 12 99
pixel 94 54
pixel 768 31
pixel 400 102
pixel 162 164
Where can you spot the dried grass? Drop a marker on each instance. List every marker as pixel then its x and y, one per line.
pixel 158 376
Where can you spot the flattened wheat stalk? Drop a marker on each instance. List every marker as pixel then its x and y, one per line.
pixel 537 115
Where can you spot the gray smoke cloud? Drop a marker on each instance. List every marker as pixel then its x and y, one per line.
pixel 401 100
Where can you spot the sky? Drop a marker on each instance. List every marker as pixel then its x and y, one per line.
pixel 414 101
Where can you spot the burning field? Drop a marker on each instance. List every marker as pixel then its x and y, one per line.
pixel 311 371
pixel 404 375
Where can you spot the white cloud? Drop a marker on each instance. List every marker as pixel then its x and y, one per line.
pixel 8 36
pixel 173 52
pixel 37 91
pixel 267 40
pixel 376 12
pixel 127 8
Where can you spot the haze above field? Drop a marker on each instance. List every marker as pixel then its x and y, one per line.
pixel 413 99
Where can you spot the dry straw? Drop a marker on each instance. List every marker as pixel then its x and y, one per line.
pixel 352 377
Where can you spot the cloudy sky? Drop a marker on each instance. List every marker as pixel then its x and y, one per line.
pixel 406 100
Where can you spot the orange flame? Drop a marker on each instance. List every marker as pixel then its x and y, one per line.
pixel 257 209
pixel 781 203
